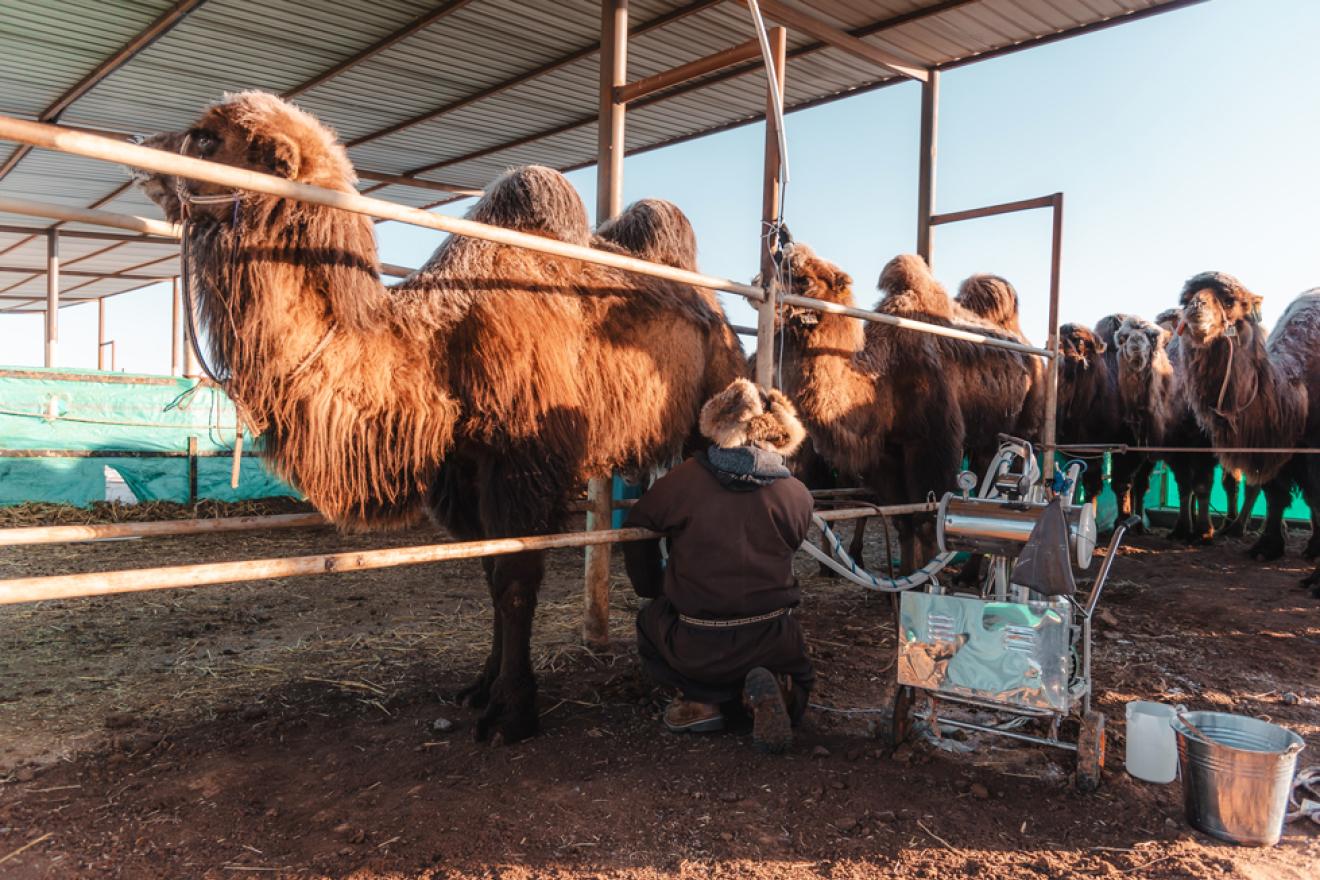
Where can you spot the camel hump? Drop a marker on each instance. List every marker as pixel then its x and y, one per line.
pixel 534 199
pixel 906 272
pixel 655 230
pixel 990 297
pixel 1107 327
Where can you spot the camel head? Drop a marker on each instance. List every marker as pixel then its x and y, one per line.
pixel 256 131
pixel 1139 342
pixel 809 275
pixel 908 286
pixel 654 230
pixel 1079 349
pixel 1215 304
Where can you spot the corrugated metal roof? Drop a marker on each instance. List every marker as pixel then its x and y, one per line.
pixel 483 85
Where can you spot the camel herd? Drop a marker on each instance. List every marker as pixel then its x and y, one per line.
pixel 487 387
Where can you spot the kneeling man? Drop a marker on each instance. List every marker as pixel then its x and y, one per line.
pixel 721 623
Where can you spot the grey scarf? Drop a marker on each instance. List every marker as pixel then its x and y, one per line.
pixel 744 468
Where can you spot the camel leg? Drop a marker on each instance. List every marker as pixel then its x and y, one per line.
pixel 1273 540
pixel 1202 485
pixel 857 548
pixel 1229 481
pixel 1140 483
pixel 511 715
pixel 1310 479
pixel 1182 477
pixel 1238 527
pixel 477 694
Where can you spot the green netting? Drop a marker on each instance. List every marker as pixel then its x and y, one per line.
pixel 87 410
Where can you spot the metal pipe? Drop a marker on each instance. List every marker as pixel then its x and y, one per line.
pixel 982 728
pixel 926 164
pixel 1050 429
pixel 94 216
pixel 100 333
pixel 993 210
pixel 609 202
pixel 821 305
pixel 52 295
pixel 53 137
pixel 770 203
pixel 691 70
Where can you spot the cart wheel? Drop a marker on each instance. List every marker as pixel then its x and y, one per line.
pixel 1090 752
pixel 900 723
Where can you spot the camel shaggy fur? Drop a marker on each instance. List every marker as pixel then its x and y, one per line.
pixel 1251 391
pixel 1155 413
pixel 484 389
pixel 895 406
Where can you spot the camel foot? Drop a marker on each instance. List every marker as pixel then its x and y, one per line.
pixel 1205 539
pixel 511 716
pixel 1235 528
pixel 477 694
pixel 1268 548
pixel 1179 534
pixel 827 572
pixel 1139 528
pixel 1312 550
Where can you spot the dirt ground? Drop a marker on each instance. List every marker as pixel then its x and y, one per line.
pixel 301 728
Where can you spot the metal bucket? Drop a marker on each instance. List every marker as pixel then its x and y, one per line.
pixel 1235 786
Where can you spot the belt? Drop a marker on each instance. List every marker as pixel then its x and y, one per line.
pixel 737 621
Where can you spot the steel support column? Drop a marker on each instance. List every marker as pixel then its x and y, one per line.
pixel 930 121
pixel 52 297
pixel 770 196
pixel 609 201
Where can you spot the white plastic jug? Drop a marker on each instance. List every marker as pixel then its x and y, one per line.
pixel 1152 749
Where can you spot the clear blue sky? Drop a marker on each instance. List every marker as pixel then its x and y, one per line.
pixel 1184 142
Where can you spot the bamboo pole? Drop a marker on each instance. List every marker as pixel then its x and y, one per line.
pixel 73 586
pixel 102 531
pixel 144 579
pixel 58 138
pixel 770 200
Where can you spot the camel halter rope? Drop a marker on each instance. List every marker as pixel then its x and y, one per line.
pixel 187 200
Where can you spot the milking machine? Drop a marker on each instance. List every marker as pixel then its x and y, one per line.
pixel 1016 643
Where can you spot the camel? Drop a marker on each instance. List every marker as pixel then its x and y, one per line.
pixel 1189 433
pixel 482 390
pixel 1250 391
pixel 896 406
pixel 1089 409
pixel 995 299
pixel 1155 413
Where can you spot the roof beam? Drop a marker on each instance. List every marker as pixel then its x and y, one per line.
pixel 838 38
pixel 724 76
pixel 421 23
pixel 154 31
pixel 548 67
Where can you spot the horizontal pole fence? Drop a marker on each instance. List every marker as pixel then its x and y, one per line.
pixel 61 139
pixel 54 137
pixel 65 534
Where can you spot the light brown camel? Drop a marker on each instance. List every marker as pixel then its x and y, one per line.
pixel 1250 391
pixel 897 406
pixel 484 389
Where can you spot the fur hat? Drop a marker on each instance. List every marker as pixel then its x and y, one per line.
pixel 747 415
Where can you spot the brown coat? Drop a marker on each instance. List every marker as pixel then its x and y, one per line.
pixel 730 556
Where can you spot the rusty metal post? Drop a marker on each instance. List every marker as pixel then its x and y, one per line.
pixel 190 368
pixel 192 469
pixel 1050 443
pixel 770 196
pixel 609 201
pixel 175 329
pixel 930 123
pixel 100 333
pixel 52 297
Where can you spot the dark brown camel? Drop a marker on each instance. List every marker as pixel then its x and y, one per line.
pixel 483 390
pixel 897 406
pixel 1250 391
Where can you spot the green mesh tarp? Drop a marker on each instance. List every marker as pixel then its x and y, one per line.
pixel 89 411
